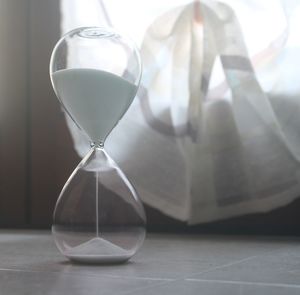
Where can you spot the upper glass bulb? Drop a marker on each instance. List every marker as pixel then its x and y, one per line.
pixel 95 73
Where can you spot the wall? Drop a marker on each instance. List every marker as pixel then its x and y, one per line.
pixel 35 146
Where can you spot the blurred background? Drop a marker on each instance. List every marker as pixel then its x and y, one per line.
pixel 217 153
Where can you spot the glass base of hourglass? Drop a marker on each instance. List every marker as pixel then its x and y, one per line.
pixel 98 217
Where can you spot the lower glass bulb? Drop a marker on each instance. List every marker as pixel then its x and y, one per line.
pixel 98 217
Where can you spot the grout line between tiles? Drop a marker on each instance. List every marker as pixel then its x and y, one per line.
pixel 230 263
pixel 222 266
pixel 186 277
pixel 244 283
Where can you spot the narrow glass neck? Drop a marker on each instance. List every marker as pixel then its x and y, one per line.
pixel 97 145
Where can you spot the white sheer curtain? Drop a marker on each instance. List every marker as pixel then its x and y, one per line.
pixel 214 131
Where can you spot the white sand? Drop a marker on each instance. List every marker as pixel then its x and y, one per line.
pixel 95 99
pixel 97 250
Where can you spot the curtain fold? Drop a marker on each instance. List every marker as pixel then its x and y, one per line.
pixel 213 132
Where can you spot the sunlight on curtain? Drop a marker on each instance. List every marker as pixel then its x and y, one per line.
pixel 214 132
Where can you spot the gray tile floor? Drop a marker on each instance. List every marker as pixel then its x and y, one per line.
pixel 167 264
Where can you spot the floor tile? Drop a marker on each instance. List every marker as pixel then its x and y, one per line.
pixel 166 264
pixel 162 256
pixel 216 288
pixel 37 283
pixel 280 266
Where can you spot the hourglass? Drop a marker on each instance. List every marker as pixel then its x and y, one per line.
pixel 98 218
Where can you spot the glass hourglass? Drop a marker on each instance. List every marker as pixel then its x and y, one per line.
pixel 98 218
